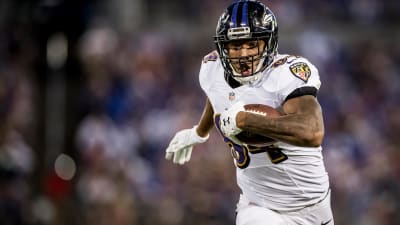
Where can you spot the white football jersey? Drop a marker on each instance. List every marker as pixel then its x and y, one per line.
pixel 281 177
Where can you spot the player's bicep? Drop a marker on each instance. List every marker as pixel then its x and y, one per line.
pixel 306 105
pixel 308 109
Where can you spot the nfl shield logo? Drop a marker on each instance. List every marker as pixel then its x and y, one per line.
pixel 231 96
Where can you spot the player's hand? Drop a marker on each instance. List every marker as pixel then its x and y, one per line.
pixel 228 120
pixel 180 147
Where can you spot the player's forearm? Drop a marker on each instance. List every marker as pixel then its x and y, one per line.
pixel 206 122
pixel 303 130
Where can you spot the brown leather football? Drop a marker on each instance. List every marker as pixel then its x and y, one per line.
pixel 256 139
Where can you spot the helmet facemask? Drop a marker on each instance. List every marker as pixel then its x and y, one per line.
pixel 246 68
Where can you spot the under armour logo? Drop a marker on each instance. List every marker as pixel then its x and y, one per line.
pixel 226 121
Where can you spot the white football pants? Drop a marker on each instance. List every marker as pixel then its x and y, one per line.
pixel 318 214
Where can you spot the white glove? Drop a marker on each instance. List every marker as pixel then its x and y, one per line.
pixel 228 120
pixel 182 144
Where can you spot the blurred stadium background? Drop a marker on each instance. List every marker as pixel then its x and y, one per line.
pixel 92 91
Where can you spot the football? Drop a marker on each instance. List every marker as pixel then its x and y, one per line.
pixel 256 139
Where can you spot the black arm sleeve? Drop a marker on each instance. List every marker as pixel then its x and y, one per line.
pixel 302 91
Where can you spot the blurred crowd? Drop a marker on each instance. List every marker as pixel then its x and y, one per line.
pixel 134 83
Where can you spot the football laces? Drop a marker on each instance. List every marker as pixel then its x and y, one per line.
pixel 256 112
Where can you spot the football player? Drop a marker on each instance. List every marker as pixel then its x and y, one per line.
pixel 284 182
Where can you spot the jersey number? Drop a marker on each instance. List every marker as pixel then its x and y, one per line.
pixel 241 152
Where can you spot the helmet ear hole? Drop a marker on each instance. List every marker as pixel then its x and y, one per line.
pixel 247 20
